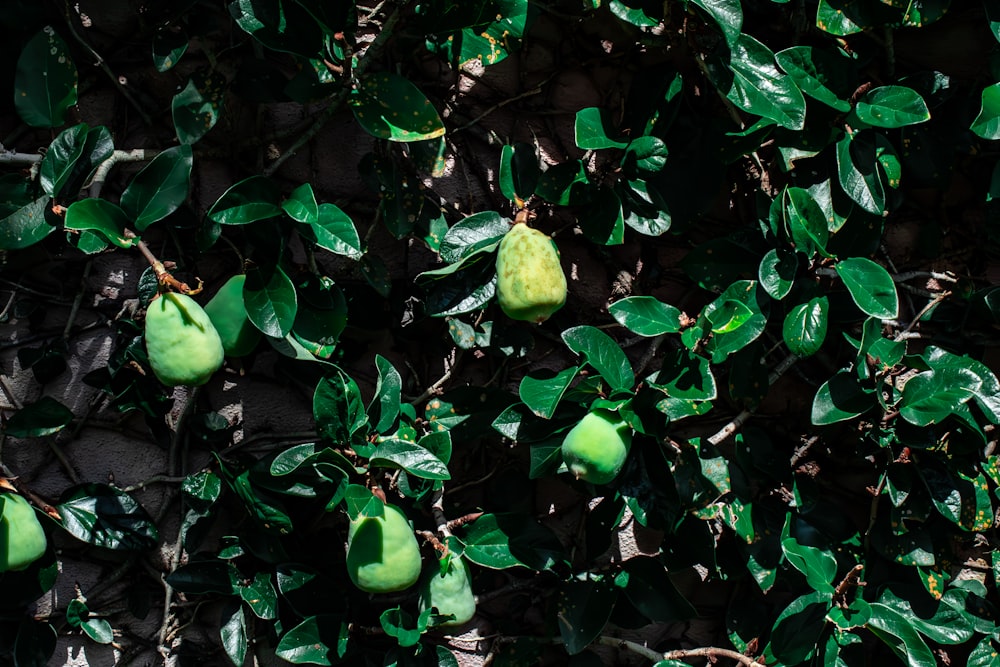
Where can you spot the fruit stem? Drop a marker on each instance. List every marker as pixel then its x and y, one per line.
pixel 163 276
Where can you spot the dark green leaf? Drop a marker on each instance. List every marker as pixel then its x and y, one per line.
pixel 386 402
pixel 870 286
pixel 584 608
pixel 602 353
pixel 987 123
pixel 411 457
pixel 270 300
pixel 859 172
pixel 646 315
pixel 594 130
pixel 106 517
pixel 541 392
pixel 334 230
pixel 160 188
pixel 233 632
pixel 796 632
pixel 35 643
pixel 399 624
pixel 43 417
pixel 168 47
pixel 931 396
pixel 314 641
pixel 564 184
pixel 806 221
pixel 805 326
pixel 818 565
pixel 301 205
pixel 480 232
pixel 254 198
pixel 389 107
pixel 100 216
pixel 727 14
pixel 754 83
pixel 519 171
pixel 500 541
pixel 777 272
pixel 45 82
pixel 195 112
pixel 650 589
pixel 897 632
pixel 72 157
pixel 819 74
pixel 841 398
pixel 338 409
pixel 25 226
pixel 892 106
pixel 260 596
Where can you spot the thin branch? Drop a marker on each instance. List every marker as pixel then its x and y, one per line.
pixel 14 158
pixel 710 652
pixel 103 169
pixel 729 429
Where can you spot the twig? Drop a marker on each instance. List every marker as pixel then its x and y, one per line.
pixel 12 157
pixel 435 388
pixel 537 90
pixel 103 169
pixel 729 429
pixel 710 652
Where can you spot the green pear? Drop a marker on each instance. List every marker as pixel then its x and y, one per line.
pixel 531 284
pixel 183 345
pixel 229 317
pixel 382 552
pixel 22 540
pixel 595 449
pixel 450 592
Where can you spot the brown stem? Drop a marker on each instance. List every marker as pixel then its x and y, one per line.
pixel 710 652
pixel 163 276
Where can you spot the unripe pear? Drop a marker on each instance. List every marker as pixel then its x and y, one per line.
pixel 450 592
pixel 531 284
pixel 229 317
pixel 22 540
pixel 183 346
pixel 595 449
pixel 382 552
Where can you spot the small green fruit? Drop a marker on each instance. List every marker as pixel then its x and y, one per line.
pixel 382 552
pixel 595 449
pixel 183 346
pixel 450 592
pixel 22 540
pixel 229 316
pixel 531 284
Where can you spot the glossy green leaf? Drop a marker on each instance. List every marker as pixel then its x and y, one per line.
pixel 252 199
pixel 100 216
pixel 564 184
pixel 685 375
pixel 403 627
pixel 602 353
pixel 897 632
pixel 301 205
pixel 35 643
pixel 338 409
pixel 640 210
pixel 594 130
pixel 754 83
pixel 649 588
pixel 106 517
pixel 733 320
pixel 43 417
pixel 160 188
pixel 335 231
pixel 859 173
pixel 819 73
pixel 385 404
pixel 806 222
pixel 314 641
pixel 72 158
pixel 519 171
pixel 25 226
pixel 777 272
pixel 992 8
pixel 892 106
pixel 260 595
pixel 45 81
pixel 987 123
pixel 541 392
pixel 460 287
pixel 169 45
pixel 870 286
pixel 727 14
pixel 985 653
pixel 389 107
pixel 584 608
pixel 500 541
pixel 797 630
pixel 79 616
pixel 931 396
pixel 805 326
pixel 841 398
pixel 480 232
pixel 233 632
pixel 602 220
pixel 194 113
pixel 270 300
pixel 646 315
pixel 818 565
pixel 411 457
pixel 987 394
